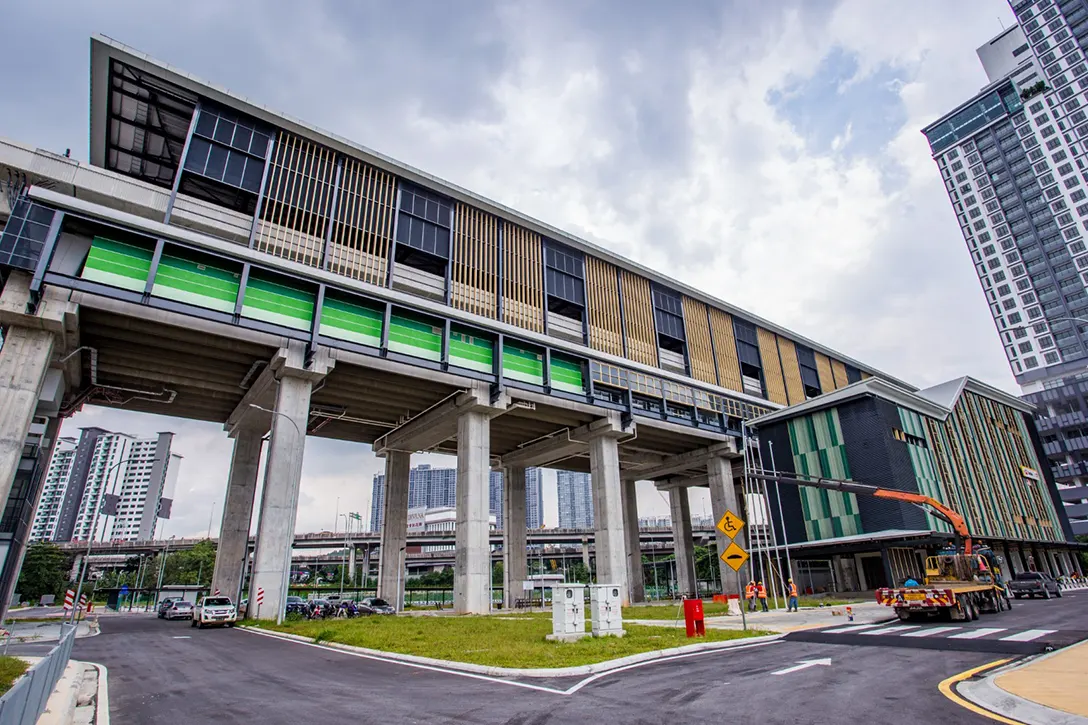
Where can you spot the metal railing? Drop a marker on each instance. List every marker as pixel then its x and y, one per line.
pixel 25 702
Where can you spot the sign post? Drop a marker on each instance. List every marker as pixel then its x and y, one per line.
pixel 730 525
pixel 260 600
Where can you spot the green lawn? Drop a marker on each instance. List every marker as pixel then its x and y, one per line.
pixel 714 609
pixel 10 669
pixel 494 640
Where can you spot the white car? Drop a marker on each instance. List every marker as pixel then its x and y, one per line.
pixel 215 610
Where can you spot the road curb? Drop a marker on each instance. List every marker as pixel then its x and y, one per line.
pixel 538 672
pixel 985 693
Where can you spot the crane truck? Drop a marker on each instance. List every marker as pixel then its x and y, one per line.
pixel 960 582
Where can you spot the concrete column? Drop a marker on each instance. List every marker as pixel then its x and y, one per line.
pixel 1077 564
pixel 351 564
pixel 611 547
pixel 585 554
pixel 472 561
pixel 398 468
pixel 636 585
pixel 1016 562
pixel 683 545
pixel 723 497
pixel 24 360
pixel 514 565
pixel 230 555
pixel 279 501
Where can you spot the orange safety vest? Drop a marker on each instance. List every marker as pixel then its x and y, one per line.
pixel 793 590
pixel 762 590
pixel 749 592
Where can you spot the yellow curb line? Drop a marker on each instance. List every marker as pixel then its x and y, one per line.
pixel 947 688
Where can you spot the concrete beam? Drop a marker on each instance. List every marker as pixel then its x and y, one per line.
pixel 565 443
pixel 681 462
pixel 233 547
pixel 439 423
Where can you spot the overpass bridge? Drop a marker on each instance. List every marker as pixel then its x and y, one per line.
pixel 219 261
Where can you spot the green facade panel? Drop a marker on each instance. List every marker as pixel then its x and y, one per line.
pixel 818 451
pixel 202 284
pixel 280 304
pixel 520 362
pixel 118 264
pixel 415 337
pixel 352 322
pixel 566 374
pixel 923 464
pixel 472 351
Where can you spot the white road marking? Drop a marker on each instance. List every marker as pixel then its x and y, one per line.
pixel 803 665
pixel 892 630
pixel 932 631
pixel 500 681
pixel 183 636
pixel 976 633
pixel 851 628
pixel 1028 635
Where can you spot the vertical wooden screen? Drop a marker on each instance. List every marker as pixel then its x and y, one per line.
pixel 295 214
pixel 725 350
pixel 838 370
pixel 772 368
pixel 700 347
pixel 523 278
pixel 475 255
pixel 603 306
pixel 364 223
pixel 791 371
pixel 638 313
pixel 823 369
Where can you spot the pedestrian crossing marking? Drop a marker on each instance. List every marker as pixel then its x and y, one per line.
pixel 932 631
pixel 1028 636
pixel 976 633
pixel 891 630
pixel 851 628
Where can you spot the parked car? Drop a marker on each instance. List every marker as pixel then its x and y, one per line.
pixel 163 606
pixel 179 609
pixel 374 605
pixel 215 610
pixel 296 605
pixel 1034 584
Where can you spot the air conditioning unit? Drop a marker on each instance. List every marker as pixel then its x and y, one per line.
pixel 568 612
pixel 605 601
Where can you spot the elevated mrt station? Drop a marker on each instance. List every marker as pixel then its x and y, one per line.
pixel 219 261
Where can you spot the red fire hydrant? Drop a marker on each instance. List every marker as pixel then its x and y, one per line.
pixel 693 618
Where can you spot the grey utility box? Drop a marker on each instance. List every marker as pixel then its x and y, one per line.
pixel 568 612
pixel 604 609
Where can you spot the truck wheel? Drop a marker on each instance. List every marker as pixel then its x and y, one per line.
pixel 962 609
pixel 903 614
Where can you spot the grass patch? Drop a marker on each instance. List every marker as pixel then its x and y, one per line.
pixel 717 609
pixel 10 670
pixel 497 641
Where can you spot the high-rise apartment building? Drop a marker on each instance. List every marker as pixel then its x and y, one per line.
pixel 1014 160
pixel 142 472
pixel 575 500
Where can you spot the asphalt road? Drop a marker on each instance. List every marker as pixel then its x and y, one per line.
pixel 166 672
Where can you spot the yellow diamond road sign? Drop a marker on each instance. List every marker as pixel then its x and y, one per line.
pixel 731 524
pixel 734 556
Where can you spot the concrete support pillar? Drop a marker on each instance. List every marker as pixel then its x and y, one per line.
pixel 683 545
pixel 351 564
pixel 24 360
pixel 723 497
pixel 398 468
pixel 1076 563
pixel 472 567
pixel 636 584
pixel 1016 562
pixel 611 545
pixel 230 555
pixel 279 501
pixel 585 554
pixel 515 570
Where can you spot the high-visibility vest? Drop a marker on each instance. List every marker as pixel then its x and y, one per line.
pixel 793 590
pixel 749 592
pixel 762 590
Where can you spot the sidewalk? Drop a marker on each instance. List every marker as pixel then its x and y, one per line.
pixel 46 631
pixel 782 621
pixel 1047 690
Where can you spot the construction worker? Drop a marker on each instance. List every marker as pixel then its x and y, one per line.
pixel 750 595
pixel 793 597
pixel 761 592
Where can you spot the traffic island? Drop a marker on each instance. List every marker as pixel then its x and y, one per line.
pixel 515 643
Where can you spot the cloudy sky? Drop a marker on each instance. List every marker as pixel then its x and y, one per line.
pixel 768 153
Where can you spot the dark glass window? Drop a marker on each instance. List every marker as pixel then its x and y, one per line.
pixel 669 317
pixel 751 365
pixel 853 375
pixel 565 271
pixel 810 377
pixel 423 230
pixel 228 148
pixel 25 235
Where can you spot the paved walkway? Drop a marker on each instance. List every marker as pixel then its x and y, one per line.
pixel 46 631
pixel 1055 681
pixel 783 621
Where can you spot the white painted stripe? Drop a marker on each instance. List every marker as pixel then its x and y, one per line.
pixel 977 633
pixel 932 631
pixel 851 628
pixel 898 629
pixel 1028 635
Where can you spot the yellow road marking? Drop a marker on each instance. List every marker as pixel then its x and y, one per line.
pixel 947 688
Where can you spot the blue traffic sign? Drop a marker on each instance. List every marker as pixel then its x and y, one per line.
pixel 124 590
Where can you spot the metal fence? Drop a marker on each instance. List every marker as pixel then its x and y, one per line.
pixel 25 702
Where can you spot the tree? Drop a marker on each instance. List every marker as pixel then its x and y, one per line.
pixel 45 571
pixel 194 566
pixel 578 572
